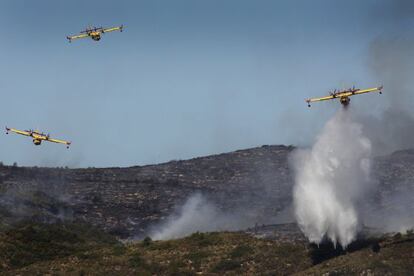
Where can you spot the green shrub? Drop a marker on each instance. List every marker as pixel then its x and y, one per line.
pixel 196 257
pixel 174 268
pixel 161 245
pixel 226 265
pixel 241 251
pixel 204 239
pixel 147 241
pixel 137 261
pixel 29 243
pixel 118 250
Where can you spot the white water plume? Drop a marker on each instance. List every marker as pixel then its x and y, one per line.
pixel 330 178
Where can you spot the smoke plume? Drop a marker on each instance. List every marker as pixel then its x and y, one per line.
pixel 391 59
pixel 330 178
pixel 394 212
pixel 44 202
pixel 198 214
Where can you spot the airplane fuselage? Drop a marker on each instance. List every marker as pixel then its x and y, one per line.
pixel 95 35
pixel 344 101
pixel 37 138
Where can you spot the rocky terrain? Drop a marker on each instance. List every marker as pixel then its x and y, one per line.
pixel 127 201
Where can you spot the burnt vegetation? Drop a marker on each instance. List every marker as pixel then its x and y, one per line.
pixel 69 221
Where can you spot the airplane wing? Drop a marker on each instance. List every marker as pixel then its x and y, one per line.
pixel 59 141
pixel 67 143
pixel 363 91
pixel 21 132
pixel 70 38
pixel 120 28
pixel 40 137
pixel 320 99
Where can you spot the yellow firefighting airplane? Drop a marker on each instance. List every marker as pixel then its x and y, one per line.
pixel 343 95
pixel 37 136
pixel 95 33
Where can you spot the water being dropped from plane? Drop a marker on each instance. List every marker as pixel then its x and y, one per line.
pixel 330 178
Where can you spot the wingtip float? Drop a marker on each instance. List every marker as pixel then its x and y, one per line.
pixel 344 95
pixel 38 136
pixel 95 33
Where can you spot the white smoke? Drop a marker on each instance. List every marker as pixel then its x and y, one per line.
pixel 330 178
pixel 198 214
pixel 394 212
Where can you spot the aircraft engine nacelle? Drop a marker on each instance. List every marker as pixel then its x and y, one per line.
pixel 344 100
pixel 37 142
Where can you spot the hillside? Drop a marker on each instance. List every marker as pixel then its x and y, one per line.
pixel 127 201
pixel 69 221
pixel 67 249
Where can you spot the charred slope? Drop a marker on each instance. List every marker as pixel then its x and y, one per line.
pixel 126 201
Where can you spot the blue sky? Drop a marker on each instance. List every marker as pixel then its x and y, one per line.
pixel 185 78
